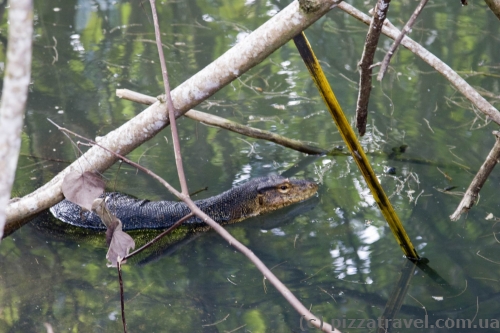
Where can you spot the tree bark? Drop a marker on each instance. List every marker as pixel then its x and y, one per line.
pixel 494 6
pixel 14 95
pixel 366 62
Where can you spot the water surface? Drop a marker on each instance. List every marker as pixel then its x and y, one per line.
pixel 336 252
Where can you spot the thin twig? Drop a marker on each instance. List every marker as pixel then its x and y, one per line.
pixel 170 104
pixel 151 242
pixel 429 125
pixel 444 174
pixel 397 41
pixel 416 300
pixel 54 47
pixel 217 322
pixel 326 292
pixel 479 255
pixel 317 272
pixel 264 278
pixel 121 296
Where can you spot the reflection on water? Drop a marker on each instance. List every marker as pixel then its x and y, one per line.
pixel 335 252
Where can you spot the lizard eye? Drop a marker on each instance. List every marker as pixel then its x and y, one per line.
pixel 284 188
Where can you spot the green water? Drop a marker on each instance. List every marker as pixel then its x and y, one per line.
pixel 336 254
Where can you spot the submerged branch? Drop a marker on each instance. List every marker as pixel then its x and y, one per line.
pixel 229 125
pixel 366 64
pixel 477 183
pixel 458 82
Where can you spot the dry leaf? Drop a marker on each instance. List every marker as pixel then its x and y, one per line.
pixel 119 242
pixel 82 189
pixel 120 246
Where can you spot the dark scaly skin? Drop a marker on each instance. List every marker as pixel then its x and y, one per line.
pixel 255 197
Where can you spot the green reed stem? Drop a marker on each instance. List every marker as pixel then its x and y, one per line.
pixel 355 148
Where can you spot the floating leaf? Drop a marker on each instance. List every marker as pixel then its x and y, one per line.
pixel 119 242
pixel 82 189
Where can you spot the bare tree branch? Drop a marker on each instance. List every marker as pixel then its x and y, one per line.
pixel 458 82
pixel 480 178
pixel 366 62
pixel 14 95
pixel 229 125
pixel 397 41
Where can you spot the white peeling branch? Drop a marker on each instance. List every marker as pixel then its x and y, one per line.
pixel 14 95
pixel 239 59
pixel 456 80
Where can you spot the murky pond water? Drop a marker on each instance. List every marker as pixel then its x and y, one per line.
pixel 335 252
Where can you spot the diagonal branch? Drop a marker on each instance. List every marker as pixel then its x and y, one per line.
pixel 229 125
pixel 477 183
pixel 397 41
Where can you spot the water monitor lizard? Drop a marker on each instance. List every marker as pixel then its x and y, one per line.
pixel 255 197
